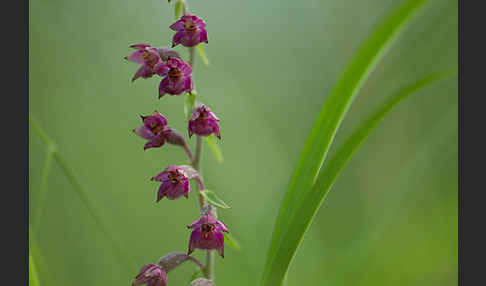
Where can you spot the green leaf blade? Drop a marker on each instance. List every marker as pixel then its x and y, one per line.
pixel 189 103
pixel 322 134
pixel 213 199
pixel 213 145
pixel 178 9
pixel 231 241
pixel 202 54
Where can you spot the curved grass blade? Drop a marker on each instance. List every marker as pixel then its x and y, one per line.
pixel 43 187
pixel 33 274
pixel 38 273
pixel 213 145
pixel 69 173
pixel 323 132
pixel 331 170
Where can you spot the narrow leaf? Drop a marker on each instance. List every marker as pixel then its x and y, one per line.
pixel 322 134
pixel 213 199
pixel 33 274
pixel 214 146
pixel 178 9
pixel 38 272
pixel 83 195
pixel 333 167
pixel 189 104
pixel 231 241
pixel 43 187
pixel 202 54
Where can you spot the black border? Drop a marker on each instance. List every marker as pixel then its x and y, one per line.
pixel 15 26
pixel 471 191
pixel 14 23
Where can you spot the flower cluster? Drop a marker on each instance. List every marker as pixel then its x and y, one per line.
pixel 176 79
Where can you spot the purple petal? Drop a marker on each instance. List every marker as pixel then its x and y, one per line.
pixel 195 236
pixel 178 37
pixel 161 69
pixel 199 22
pixel 188 86
pixel 185 68
pixel 219 237
pixel 144 71
pixel 220 226
pixel 203 36
pixel 140 46
pixel 157 141
pixel 162 192
pixel 164 83
pixel 144 132
pixel 178 25
pixel 136 57
pixel 190 40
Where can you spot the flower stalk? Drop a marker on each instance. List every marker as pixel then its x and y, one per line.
pixel 177 79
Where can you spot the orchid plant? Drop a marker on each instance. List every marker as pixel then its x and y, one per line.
pixel 176 74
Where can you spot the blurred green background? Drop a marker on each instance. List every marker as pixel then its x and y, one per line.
pixel 391 217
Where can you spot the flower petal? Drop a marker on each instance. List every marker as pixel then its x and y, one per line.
pixel 203 36
pixel 144 132
pixel 178 25
pixel 140 46
pixel 144 71
pixel 178 37
pixel 136 57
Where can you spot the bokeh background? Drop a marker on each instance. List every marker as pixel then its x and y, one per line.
pixel 391 217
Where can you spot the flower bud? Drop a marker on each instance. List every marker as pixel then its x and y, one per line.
pixel 151 275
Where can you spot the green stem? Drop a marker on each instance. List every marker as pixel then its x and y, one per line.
pixel 196 164
pixel 69 173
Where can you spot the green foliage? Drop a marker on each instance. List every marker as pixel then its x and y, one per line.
pixel 214 146
pixel 213 199
pixel 202 54
pixel 231 241
pixel 82 194
pixel 189 104
pixel 282 247
pixel 178 9
pixel 33 275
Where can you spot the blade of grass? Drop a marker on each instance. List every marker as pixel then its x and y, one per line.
pixel 38 273
pixel 33 275
pixel 125 260
pixel 330 118
pixel 331 170
pixel 43 187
